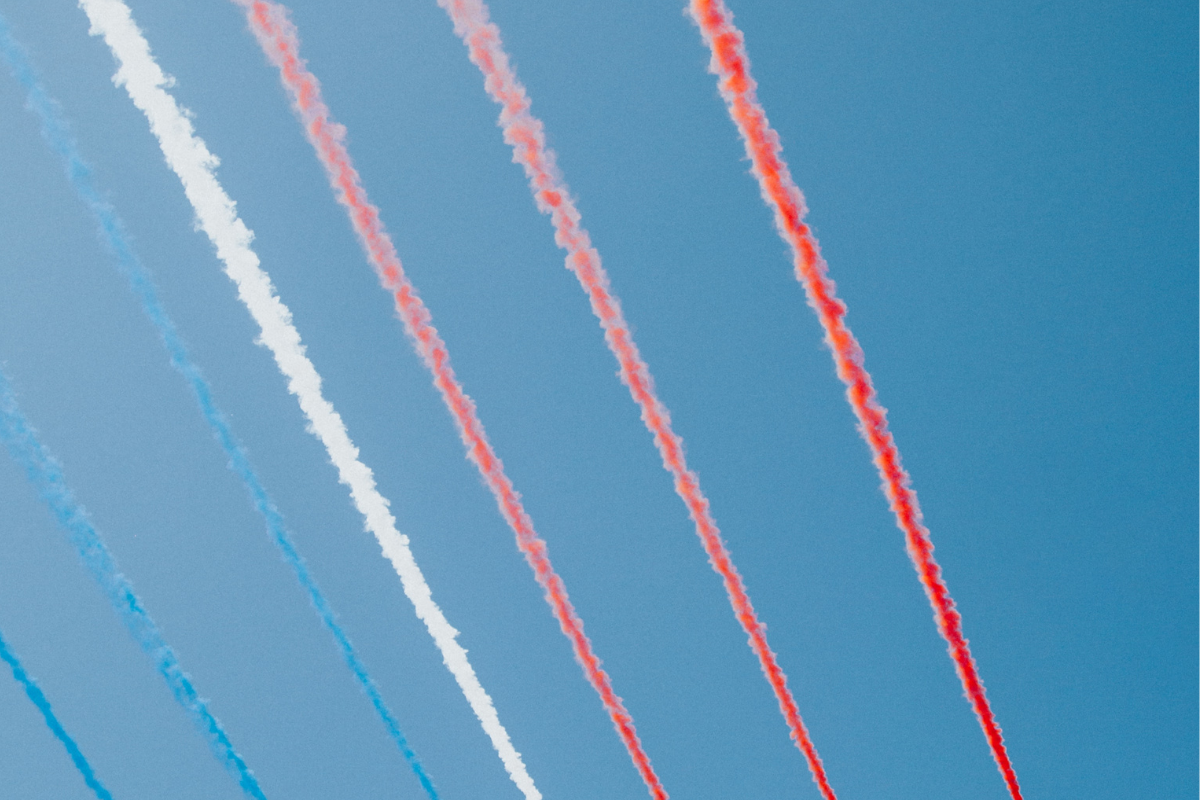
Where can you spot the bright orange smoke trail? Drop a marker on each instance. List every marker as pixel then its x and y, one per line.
pixel 524 132
pixel 732 66
pixel 278 38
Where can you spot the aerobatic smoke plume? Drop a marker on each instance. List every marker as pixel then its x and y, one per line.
pixel 732 67
pixel 278 38
pixel 34 692
pixel 57 134
pixel 46 476
pixel 524 133
pixel 190 159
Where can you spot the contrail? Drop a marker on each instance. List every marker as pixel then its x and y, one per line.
pixel 732 66
pixel 57 134
pixel 278 38
pixel 43 705
pixel 524 132
pixel 190 159
pixel 46 475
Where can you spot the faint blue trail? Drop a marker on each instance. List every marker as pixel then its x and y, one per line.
pixel 44 473
pixel 43 705
pixel 58 135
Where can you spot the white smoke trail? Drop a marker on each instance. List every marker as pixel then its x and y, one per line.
pixel 191 160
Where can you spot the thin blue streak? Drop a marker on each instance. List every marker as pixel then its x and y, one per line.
pixel 44 473
pixel 43 705
pixel 57 133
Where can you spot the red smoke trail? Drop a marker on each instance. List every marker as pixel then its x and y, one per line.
pixel 732 66
pixel 524 132
pixel 278 38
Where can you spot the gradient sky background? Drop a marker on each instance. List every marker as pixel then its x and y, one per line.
pixel 1007 197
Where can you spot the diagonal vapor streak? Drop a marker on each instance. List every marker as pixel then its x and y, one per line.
pixel 190 159
pixel 57 134
pixel 46 475
pixel 38 698
pixel 524 132
pixel 278 37
pixel 731 65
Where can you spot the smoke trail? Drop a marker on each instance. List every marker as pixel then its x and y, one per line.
pixel 43 705
pixel 732 66
pixel 524 132
pixel 46 475
pixel 57 133
pixel 191 160
pixel 277 36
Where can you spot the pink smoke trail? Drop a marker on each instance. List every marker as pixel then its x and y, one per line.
pixel 278 38
pixel 732 66
pixel 524 132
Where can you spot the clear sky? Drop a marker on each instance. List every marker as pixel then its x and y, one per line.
pixel 1007 199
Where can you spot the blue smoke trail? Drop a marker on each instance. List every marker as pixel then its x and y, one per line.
pixel 57 133
pixel 43 705
pixel 44 472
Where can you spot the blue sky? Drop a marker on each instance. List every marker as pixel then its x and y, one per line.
pixel 1007 199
